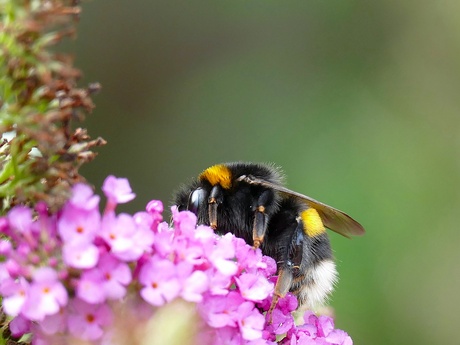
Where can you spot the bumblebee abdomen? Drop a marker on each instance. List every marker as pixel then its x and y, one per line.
pixel 297 240
pixel 316 284
pixel 312 224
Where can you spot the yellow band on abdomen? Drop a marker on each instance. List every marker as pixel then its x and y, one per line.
pixel 312 223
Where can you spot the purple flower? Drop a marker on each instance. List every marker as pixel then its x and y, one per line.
pixel 219 284
pixel 4 276
pixel 228 336
pixel 20 219
pixel 56 323
pixel 89 288
pixel 160 282
pixel 268 266
pixel 19 326
pixel 76 226
pixel 186 249
pixel 194 283
pixel 155 209
pixel 222 255
pixel 4 226
pixel 15 295
pixel 254 287
pixel 317 330
pixel 46 295
pixel 250 321
pixel 14 269
pixel 164 243
pixel 339 337
pixel 107 281
pixel 288 303
pixel 324 324
pixel 64 274
pixel 128 241
pixel 80 255
pixel 281 323
pixel 83 197
pixel 221 311
pixel 184 222
pixel 117 190
pixel 87 321
pixel 116 276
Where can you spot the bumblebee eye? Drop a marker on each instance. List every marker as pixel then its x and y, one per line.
pixel 195 199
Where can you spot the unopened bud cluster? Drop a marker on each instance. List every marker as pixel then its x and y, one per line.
pixel 39 103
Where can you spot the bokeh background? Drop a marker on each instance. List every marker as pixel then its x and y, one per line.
pixel 357 100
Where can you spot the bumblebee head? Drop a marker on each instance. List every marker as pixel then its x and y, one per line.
pixel 196 200
pixel 194 197
pixel 205 193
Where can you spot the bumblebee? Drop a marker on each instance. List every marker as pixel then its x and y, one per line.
pixel 250 201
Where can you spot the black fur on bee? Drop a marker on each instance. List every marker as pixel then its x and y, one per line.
pixel 250 201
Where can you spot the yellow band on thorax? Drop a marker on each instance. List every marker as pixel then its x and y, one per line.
pixel 312 223
pixel 218 174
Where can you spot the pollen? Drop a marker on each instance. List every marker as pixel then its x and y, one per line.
pixel 312 223
pixel 218 174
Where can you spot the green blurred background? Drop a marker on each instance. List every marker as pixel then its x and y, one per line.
pixel 358 101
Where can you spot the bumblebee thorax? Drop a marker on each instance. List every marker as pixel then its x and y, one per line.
pixel 218 174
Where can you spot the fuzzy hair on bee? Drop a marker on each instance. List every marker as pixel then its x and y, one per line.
pixel 251 201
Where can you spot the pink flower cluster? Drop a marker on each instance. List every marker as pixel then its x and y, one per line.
pixel 62 274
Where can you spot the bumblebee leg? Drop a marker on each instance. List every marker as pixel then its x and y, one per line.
pixel 283 284
pixel 215 198
pixel 260 226
pixel 261 218
pixel 292 260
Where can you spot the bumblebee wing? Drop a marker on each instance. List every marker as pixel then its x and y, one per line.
pixel 332 218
